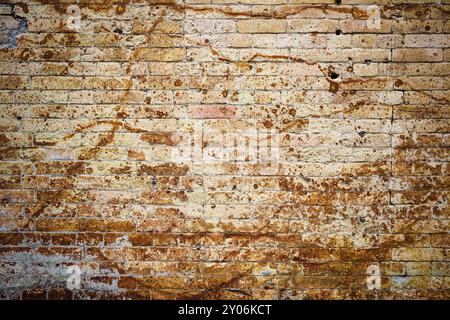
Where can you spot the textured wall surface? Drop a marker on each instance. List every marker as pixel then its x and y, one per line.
pixel 246 149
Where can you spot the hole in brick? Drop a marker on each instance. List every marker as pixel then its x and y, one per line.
pixel 118 30
pixel 334 75
pixel 362 133
pixel 338 1
pixel 427 28
pixel 338 32
pixel 367 62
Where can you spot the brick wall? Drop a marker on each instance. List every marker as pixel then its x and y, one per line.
pixel 244 149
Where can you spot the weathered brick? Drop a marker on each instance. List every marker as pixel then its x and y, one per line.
pixel 261 26
pixel 162 54
pixel 225 149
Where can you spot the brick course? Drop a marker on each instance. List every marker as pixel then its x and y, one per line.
pixel 99 101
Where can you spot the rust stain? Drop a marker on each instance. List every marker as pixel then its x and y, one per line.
pixel 24 7
pixel 157 22
pixel 299 124
pixel 278 12
pixel 161 138
pixel 120 9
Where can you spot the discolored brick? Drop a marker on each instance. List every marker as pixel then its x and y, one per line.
pixel 226 149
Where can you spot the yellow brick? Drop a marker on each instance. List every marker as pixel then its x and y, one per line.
pixel 161 54
pixel 261 26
